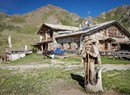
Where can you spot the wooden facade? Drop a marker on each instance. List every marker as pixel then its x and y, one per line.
pixel 107 36
pixel 47 34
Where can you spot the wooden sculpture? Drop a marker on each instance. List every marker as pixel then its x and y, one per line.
pixel 92 64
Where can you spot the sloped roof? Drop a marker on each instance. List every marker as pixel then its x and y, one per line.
pixel 57 27
pixel 97 27
pixel 61 27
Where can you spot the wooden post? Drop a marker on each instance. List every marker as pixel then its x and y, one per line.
pixel 42 47
pixel 55 44
pixel 41 37
pixel 69 45
pixel 46 35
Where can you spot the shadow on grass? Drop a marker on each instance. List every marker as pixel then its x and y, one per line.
pixel 79 79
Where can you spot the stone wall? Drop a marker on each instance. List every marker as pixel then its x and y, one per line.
pixel 73 42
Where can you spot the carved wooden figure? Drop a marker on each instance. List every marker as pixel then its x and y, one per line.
pixel 92 63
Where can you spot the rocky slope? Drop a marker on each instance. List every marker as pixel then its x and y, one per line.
pixel 121 14
pixel 52 14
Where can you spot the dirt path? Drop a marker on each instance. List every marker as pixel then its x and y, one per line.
pixel 105 67
pixel 60 87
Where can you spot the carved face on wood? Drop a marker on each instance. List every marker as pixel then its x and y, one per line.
pixel 87 44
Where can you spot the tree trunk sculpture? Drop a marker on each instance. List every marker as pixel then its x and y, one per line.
pixel 92 64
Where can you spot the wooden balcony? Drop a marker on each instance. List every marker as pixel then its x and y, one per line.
pixel 45 41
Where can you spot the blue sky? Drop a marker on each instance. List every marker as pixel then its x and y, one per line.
pixel 83 8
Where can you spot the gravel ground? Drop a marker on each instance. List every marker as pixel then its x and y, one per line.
pixel 105 67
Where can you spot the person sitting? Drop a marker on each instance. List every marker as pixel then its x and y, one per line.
pixel 49 54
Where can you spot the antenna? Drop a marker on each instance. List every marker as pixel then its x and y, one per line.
pixel 80 26
pixel 87 23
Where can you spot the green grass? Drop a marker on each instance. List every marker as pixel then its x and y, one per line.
pixel 117 80
pixel 43 60
pixel 18 20
pixel 30 59
pixel 72 60
pixel 39 81
pixel 31 82
pixel 106 60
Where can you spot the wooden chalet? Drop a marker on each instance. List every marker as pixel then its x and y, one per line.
pixel 108 36
pixel 47 34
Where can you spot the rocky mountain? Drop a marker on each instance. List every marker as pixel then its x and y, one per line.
pixel 121 14
pixel 52 14
pixel 48 14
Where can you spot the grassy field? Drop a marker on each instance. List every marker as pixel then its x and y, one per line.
pixel 70 60
pixel 31 82
pixel 43 60
pixel 117 80
pixel 42 81
pixel 30 59
pixel 106 60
